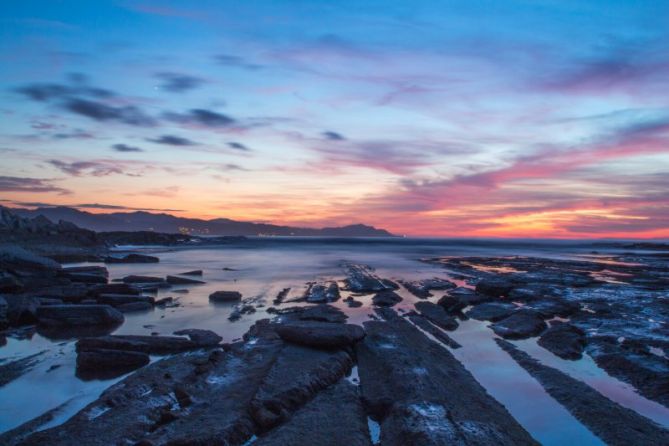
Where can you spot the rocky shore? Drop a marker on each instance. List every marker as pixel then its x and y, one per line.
pixel 305 374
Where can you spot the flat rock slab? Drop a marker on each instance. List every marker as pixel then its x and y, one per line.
pixel 196 272
pixel 492 311
pixel 614 424
pixel 334 417
pixel 296 376
pixel 201 337
pixel 495 286
pixel 143 279
pixel 157 345
pixel 121 299
pixel 320 334
pixel 225 296
pixel 321 313
pixel 564 340
pixel 429 328
pixel 78 315
pixel 422 288
pixel 361 278
pixel 107 364
pixel 135 307
pixel 437 315
pixel 132 258
pixel 386 298
pixel 114 288
pixel 9 371
pixel 647 372
pixel 197 398
pixel 422 395
pixel 520 325
pixel 176 280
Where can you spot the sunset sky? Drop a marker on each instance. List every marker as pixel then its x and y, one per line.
pixel 449 118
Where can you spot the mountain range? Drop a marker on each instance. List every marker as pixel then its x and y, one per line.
pixel 160 222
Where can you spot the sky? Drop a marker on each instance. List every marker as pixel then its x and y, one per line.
pixel 504 118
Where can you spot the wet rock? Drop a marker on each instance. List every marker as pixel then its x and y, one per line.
pixel 552 307
pixel 386 298
pixel 520 325
pixel 145 407
pixel 422 288
pixel 197 272
pixel 114 288
pixel 614 424
pixel 647 372
pixel 352 303
pixel 153 345
pixel 322 292
pixel 563 340
pixel 91 269
pixel 143 279
pixel 205 338
pixel 437 315
pixel 78 315
pixel 422 395
pixel 21 310
pixel 16 259
pixel 132 258
pixel 427 327
pixel 321 313
pixel 107 364
pixel 225 296
pixel 451 304
pixel 491 311
pixel 297 375
pixel 466 297
pixel 281 296
pixel 9 283
pixel 176 280
pixel 334 417
pixel 239 312
pixel 11 370
pixel 320 334
pixel 116 300
pixel 134 307
pixel 361 278
pixel 4 322
pixel 85 274
pixel 494 287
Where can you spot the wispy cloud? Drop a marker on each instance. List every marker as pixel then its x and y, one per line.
pixel 21 184
pixel 172 140
pixel 178 82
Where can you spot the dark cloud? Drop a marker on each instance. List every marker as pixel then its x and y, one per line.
pixel 80 98
pixel 178 83
pixel 19 184
pixel 74 134
pixel 333 136
pixel 172 140
pixel 230 167
pixel 126 148
pixel 200 116
pixel 111 207
pixel 44 92
pixel 238 146
pixel 94 168
pixel 98 111
pixel 236 61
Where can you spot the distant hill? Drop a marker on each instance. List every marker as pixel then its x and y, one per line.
pixel 147 221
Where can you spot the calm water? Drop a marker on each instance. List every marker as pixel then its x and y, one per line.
pixel 263 267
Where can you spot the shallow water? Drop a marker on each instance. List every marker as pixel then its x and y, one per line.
pixel 262 268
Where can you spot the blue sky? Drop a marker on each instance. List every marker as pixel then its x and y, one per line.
pixel 496 118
